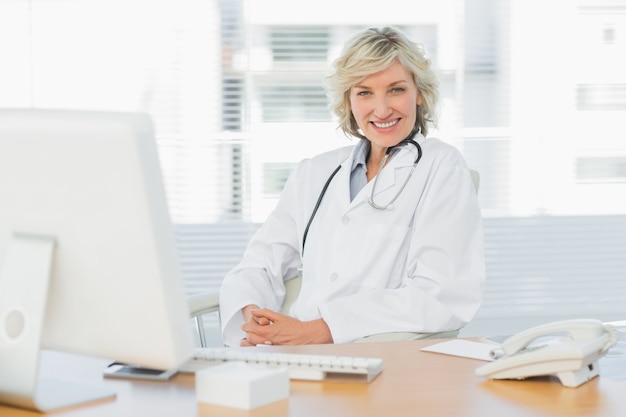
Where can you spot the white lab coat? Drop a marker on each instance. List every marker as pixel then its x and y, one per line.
pixel 417 267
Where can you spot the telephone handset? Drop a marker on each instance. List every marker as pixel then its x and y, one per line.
pixel 572 357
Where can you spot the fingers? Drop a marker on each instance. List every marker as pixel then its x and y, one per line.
pixel 248 341
pixel 254 339
pixel 264 327
pixel 265 315
pixel 245 342
pixel 252 327
pixel 259 330
pixel 249 316
pixel 262 321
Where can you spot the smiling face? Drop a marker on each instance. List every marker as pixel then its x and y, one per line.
pixel 384 106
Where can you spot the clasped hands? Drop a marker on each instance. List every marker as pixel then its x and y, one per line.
pixel 268 327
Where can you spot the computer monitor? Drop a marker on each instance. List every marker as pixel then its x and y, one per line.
pixel 87 251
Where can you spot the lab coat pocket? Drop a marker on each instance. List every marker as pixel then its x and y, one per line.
pixel 381 255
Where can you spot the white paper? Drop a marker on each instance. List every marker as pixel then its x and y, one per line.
pixel 463 348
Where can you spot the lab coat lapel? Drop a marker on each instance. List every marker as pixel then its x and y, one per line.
pixel 393 175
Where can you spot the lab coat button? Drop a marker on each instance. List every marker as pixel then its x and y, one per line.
pixel 333 277
pixel 345 220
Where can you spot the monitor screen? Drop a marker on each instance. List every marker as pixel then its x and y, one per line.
pixel 87 251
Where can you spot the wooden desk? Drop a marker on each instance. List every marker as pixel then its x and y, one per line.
pixel 413 383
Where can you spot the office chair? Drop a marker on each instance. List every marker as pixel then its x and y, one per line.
pixel 208 302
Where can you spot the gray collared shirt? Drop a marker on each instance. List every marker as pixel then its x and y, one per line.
pixel 358 174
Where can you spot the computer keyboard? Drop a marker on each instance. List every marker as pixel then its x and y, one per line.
pixel 301 366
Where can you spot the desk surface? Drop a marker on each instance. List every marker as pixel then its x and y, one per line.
pixel 412 383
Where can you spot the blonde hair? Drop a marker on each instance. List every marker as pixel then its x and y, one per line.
pixel 372 51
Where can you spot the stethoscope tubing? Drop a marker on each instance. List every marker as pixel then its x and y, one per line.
pixel 370 200
pixel 317 205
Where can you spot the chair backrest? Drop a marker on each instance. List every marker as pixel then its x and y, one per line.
pixel 475 178
pixel 292 289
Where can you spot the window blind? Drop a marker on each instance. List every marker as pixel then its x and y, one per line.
pixel 235 90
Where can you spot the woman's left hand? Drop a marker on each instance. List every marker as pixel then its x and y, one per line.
pixel 284 330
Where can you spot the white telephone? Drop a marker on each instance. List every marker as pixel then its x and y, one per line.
pixel 573 358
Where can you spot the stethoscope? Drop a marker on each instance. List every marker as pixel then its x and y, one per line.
pixel 370 200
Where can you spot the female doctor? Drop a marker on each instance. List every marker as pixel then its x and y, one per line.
pixel 386 235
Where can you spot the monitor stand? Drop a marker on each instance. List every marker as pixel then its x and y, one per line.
pixel 24 279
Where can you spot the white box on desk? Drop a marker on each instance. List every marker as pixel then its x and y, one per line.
pixel 236 384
